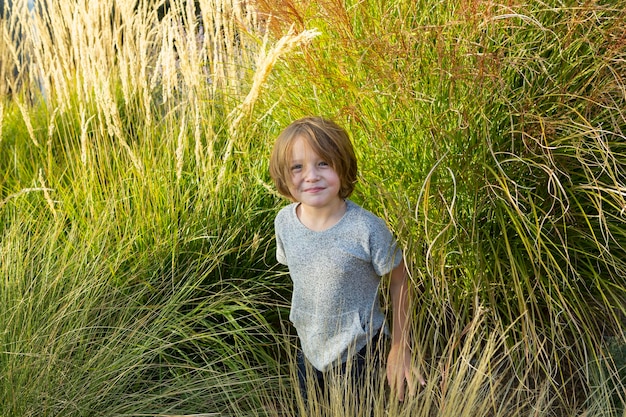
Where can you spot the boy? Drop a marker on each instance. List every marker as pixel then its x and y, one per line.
pixel 336 253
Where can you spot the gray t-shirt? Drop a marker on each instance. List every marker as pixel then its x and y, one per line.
pixel 336 274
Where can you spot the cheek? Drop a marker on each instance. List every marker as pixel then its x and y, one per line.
pixel 289 177
pixel 292 182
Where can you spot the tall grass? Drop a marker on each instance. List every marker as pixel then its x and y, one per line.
pixel 126 270
pixel 136 213
pixel 558 180
pixel 491 137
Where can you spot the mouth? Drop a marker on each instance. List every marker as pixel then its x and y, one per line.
pixel 314 190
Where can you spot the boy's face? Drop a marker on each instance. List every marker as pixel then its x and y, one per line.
pixel 313 182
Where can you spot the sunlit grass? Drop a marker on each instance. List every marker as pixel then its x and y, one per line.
pixel 492 139
pixel 136 241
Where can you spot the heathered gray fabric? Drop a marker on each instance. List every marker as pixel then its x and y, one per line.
pixel 336 275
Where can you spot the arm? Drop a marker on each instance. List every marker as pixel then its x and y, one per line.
pixel 399 369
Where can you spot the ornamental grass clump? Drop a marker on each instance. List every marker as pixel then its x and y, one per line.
pixel 126 275
pixel 492 136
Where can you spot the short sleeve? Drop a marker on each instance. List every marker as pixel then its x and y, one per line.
pixel 280 249
pixel 386 255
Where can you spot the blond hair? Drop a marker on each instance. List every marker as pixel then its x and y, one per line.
pixel 330 141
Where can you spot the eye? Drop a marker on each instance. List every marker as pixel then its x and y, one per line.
pixel 296 167
pixel 323 164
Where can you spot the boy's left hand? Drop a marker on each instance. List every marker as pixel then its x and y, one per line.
pixel 400 372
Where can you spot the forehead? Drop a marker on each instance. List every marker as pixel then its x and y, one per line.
pixel 301 147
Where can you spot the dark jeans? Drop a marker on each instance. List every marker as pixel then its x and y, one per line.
pixel 356 374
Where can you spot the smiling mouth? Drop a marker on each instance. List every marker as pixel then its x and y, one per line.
pixel 314 190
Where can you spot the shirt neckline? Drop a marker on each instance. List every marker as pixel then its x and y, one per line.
pixel 349 206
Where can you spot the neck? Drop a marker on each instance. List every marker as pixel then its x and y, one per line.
pixel 320 219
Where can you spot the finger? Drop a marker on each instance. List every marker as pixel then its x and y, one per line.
pixel 390 377
pixel 420 378
pixel 400 383
pixel 411 384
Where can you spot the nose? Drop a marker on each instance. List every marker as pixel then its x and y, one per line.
pixel 311 174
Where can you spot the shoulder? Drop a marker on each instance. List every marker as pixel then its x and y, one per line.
pixel 285 215
pixel 366 217
pixel 288 210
